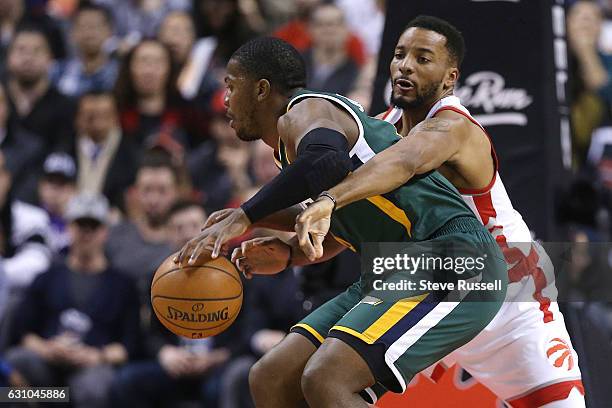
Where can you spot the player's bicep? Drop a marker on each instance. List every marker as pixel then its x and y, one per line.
pixel 433 142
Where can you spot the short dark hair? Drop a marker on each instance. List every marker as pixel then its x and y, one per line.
pixel 182 205
pixel 89 6
pixel 158 158
pixel 30 28
pixel 275 60
pixel 455 44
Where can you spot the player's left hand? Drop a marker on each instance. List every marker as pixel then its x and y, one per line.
pixel 261 256
pixel 314 222
pixel 234 223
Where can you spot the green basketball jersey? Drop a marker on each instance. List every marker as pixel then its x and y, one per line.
pixel 412 212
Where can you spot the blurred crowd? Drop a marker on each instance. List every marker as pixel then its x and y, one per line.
pixel 114 147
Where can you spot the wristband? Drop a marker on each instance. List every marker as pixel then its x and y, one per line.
pixel 331 197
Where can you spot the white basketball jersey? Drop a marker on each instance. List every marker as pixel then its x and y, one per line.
pixel 494 209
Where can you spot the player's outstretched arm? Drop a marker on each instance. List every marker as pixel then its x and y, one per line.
pixel 428 145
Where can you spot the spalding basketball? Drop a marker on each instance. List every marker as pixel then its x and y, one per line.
pixel 199 300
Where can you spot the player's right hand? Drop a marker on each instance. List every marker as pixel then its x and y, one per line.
pixel 217 216
pixel 261 256
pixel 313 223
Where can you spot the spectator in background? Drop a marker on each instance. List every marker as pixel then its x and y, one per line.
pixel 92 69
pixel 106 159
pixel 591 89
pixel 185 221
pixel 35 104
pixel 56 188
pixel 21 148
pixel 234 156
pixel 261 169
pixel 24 249
pixel 195 82
pixel 138 245
pixel 328 66
pixel 211 178
pixel 152 111
pixel 224 22
pixel 14 13
pixel 136 20
pixel 367 21
pixel 297 34
pixel 80 319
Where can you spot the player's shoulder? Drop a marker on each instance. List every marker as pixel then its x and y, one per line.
pixel 305 113
pixel 455 121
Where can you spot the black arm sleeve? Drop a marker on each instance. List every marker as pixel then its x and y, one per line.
pixel 322 162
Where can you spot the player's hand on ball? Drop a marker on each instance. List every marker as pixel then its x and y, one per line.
pixel 232 224
pixel 217 216
pixel 261 256
pixel 313 223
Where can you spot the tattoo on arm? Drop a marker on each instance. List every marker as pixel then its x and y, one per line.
pixel 434 125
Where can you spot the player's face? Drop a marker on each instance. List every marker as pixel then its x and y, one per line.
pixel 240 101
pixel 420 69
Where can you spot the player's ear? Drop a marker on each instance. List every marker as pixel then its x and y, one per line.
pixel 263 89
pixel 451 78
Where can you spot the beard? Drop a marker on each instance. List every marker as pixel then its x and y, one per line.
pixel 246 133
pixel 421 98
pixel 155 220
pixel 27 81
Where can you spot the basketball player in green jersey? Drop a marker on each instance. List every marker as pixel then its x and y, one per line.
pixel 362 340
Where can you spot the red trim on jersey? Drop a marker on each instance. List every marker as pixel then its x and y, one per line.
pixel 486 210
pixel 473 191
pixel 548 394
pixel 384 116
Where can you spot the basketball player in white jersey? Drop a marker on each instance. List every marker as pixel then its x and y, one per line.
pixel 525 354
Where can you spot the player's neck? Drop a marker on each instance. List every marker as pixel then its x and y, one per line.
pixel 412 117
pixel 276 109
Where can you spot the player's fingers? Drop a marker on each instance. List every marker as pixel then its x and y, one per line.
pixel 245 268
pixel 308 249
pixel 244 246
pixel 219 241
pixel 317 240
pixel 215 217
pixel 183 253
pixel 302 231
pixel 239 264
pixel 196 251
pixel 301 228
pixel 237 253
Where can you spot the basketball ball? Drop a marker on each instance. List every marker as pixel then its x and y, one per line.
pixel 199 300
